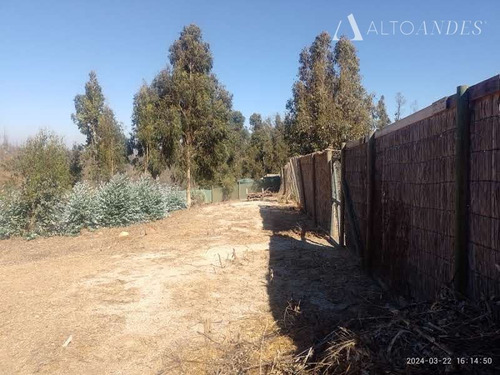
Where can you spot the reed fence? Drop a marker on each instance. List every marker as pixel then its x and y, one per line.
pixel 421 197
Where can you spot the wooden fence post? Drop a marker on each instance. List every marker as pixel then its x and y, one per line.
pixel 302 183
pixel 370 187
pixel 315 216
pixel 282 180
pixel 335 201
pixel 353 220
pixel 332 210
pixel 462 166
pixel 342 197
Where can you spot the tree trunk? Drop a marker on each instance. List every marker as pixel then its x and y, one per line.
pixel 188 153
pixel 188 177
pixel 146 161
pixel 111 150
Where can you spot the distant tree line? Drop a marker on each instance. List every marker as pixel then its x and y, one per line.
pixel 184 125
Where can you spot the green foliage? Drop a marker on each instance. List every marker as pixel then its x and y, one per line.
pixel 105 148
pixel 352 102
pixel 267 151
pixel 256 121
pixel 75 163
pixel 197 197
pixel 122 202
pixel 110 146
pixel 148 129
pixel 237 143
pixel 17 217
pixel 115 203
pixel 182 120
pixel 118 203
pixel 150 199
pixel 400 103
pixel 329 104
pixel 173 199
pixel 13 214
pixel 190 53
pixel 237 123
pixel 280 150
pixel 82 209
pixel 88 109
pixel 42 166
pixel 381 118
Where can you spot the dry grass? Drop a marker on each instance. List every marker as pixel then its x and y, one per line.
pixel 233 288
pixel 446 328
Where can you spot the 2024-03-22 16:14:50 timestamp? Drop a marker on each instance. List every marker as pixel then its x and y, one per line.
pixel 449 361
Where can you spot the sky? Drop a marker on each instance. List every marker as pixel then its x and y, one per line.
pixel 47 49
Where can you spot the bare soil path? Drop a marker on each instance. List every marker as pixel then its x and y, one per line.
pixel 180 295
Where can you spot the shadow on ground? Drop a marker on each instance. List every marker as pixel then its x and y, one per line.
pixel 320 298
pixel 313 286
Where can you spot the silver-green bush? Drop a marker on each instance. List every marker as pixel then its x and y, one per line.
pixel 13 215
pixel 81 209
pixel 151 199
pixel 115 203
pixel 118 202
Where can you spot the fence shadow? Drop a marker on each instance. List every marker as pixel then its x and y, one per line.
pixel 312 285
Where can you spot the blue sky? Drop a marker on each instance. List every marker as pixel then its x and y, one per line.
pixel 47 49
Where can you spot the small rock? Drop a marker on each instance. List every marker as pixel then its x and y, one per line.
pixel 123 234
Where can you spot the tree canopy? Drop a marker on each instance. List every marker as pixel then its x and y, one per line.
pixel 400 103
pixel 104 153
pixel 186 116
pixel 267 150
pixel 381 118
pixel 329 104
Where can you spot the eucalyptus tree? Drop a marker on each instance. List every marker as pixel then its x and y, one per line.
pixel 146 129
pixel 193 111
pixel 104 150
pixel 329 104
pixel 88 108
pixel 267 150
pixel 352 102
pixel 381 117
pixel 400 103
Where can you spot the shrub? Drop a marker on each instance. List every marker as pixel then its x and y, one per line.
pixel 81 210
pixel 151 200
pixel 118 203
pixel 197 197
pixel 42 167
pixel 122 201
pixel 46 220
pixel 13 215
pixel 174 199
pixel 115 203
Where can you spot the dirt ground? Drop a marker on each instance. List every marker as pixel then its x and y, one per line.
pixel 210 288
